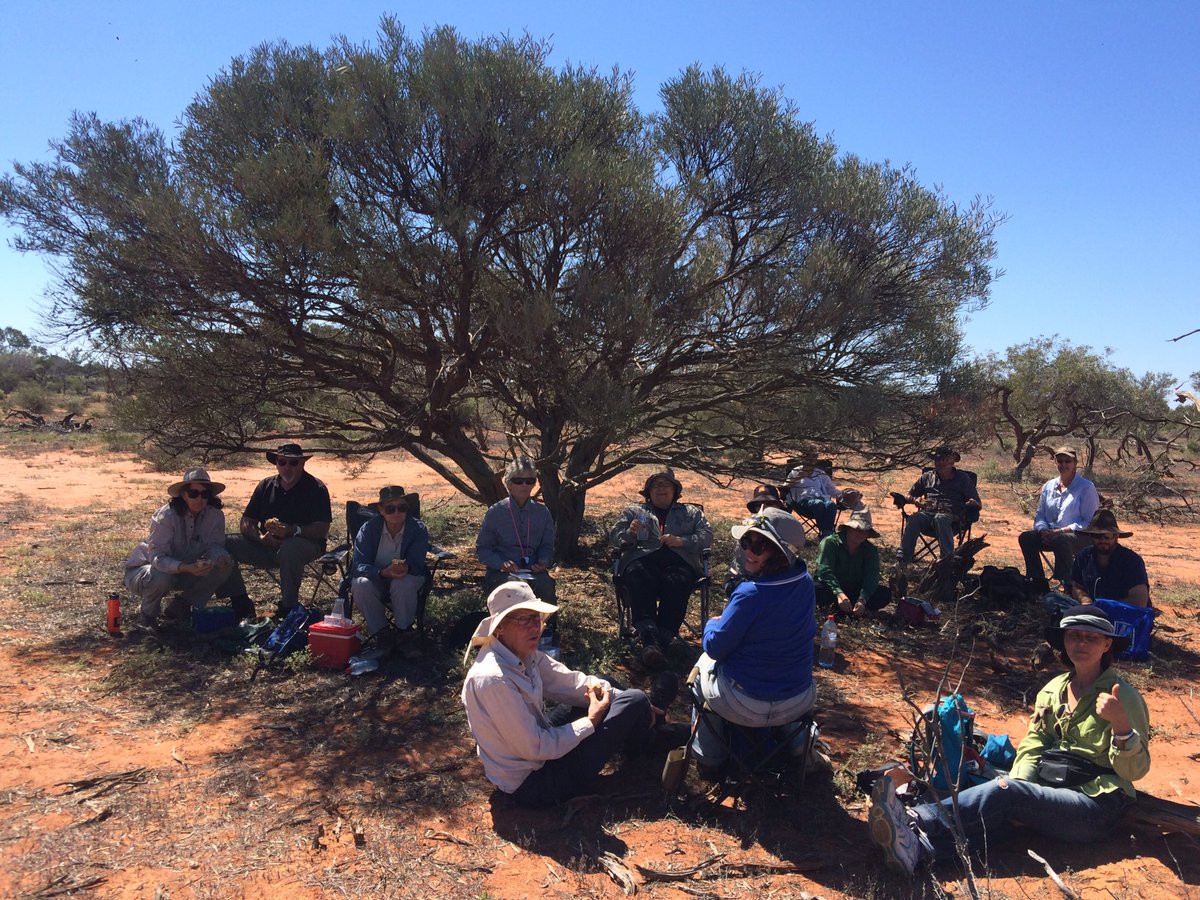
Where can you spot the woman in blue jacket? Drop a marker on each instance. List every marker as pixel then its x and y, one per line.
pixel 389 556
pixel 756 669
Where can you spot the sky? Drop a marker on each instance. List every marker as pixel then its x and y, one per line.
pixel 1079 120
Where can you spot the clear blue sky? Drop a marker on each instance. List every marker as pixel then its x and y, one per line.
pixel 1080 119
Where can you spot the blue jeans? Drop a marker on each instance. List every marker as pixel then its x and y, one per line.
pixel 823 512
pixel 990 811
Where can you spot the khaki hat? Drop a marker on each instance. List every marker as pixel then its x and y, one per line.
pixel 197 474
pixel 860 520
pixel 779 527
pixel 764 494
pixel 945 453
pixel 510 596
pixel 1066 451
pixel 1104 523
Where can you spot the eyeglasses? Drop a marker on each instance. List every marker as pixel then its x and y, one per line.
pixel 395 508
pixel 522 481
pixel 1063 460
pixel 525 620
pixel 756 545
pixel 287 463
pixel 194 493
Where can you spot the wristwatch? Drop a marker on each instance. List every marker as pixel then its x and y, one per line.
pixel 295 531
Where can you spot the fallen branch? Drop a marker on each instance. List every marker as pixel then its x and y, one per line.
pixel 432 835
pixel 618 872
pixel 651 874
pixel 105 783
pixel 1165 815
pixel 1067 892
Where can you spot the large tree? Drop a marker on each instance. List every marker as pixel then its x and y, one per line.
pixel 452 248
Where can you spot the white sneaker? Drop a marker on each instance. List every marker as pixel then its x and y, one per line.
pixel 890 829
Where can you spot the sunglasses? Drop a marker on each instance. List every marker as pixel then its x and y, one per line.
pixel 288 463
pixel 756 545
pixel 395 508
pixel 1064 460
pixel 526 620
pixel 522 481
pixel 194 493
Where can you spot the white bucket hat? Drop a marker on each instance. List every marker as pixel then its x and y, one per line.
pixel 510 596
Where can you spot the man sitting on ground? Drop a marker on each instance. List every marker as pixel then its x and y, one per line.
pixel 1107 570
pixel 284 527
pixel 1066 505
pixel 944 494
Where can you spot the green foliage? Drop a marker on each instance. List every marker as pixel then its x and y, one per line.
pixel 32 398
pixel 412 244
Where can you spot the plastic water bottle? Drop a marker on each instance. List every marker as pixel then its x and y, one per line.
pixel 828 654
pixel 339 609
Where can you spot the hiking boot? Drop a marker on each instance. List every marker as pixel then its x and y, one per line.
pixel 889 825
pixel 653 658
pixel 178 610
pixel 711 773
pixel 282 611
pixel 664 690
pixel 243 607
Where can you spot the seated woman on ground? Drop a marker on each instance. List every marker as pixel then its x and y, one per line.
pixel 1074 772
pixel 660 542
pixel 389 558
pixel 540 758
pixel 847 567
pixel 756 669
pixel 185 551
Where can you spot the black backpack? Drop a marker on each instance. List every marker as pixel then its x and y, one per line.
pixel 1002 587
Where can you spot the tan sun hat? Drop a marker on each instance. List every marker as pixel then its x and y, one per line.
pixel 860 520
pixel 510 596
pixel 197 474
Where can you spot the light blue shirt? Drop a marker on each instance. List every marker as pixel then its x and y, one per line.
pixel 1071 507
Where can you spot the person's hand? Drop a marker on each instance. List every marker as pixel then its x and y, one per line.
pixel 508 567
pixel 971 502
pixel 278 529
pixel 599 700
pixel 843 601
pixel 199 568
pixel 672 540
pixel 398 569
pixel 538 567
pixel 635 527
pixel 657 715
pixel 1109 708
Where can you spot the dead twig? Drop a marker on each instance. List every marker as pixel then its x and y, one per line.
pixel 103 784
pixel 618 872
pixel 1067 892
pixel 432 835
pixel 652 874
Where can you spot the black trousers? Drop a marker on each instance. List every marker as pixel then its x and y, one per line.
pixel 659 586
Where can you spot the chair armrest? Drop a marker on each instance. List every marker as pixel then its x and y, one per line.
pixel 331 560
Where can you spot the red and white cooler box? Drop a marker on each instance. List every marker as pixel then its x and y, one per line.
pixel 333 641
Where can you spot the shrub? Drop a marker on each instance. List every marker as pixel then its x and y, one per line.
pixel 31 398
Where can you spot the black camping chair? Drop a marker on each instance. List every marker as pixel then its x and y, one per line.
pixel 927 545
pixel 336 563
pixel 761 758
pixel 625 610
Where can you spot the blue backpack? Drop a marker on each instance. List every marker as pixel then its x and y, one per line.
pixel 961 760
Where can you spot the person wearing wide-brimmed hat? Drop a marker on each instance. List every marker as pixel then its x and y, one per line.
pixel 1107 569
pixel 284 526
pixel 185 550
pixel 756 669
pixel 847 568
pixel 785 523
pixel 946 497
pixel 661 541
pixel 540 758
pixel 1073 775
pixel 389 557
pixel 1065 506
pixel 812 493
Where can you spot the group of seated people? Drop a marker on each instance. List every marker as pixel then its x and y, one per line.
pixel 756 668
pixel 1072 778
pixel 284 527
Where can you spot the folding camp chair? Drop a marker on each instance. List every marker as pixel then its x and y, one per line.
pixel 927 544
pixel 336 563
pixel 761 758
pixel 625 611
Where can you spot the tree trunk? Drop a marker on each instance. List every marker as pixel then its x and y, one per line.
pixel 568 523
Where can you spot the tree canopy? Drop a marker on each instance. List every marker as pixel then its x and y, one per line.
pixel 452 248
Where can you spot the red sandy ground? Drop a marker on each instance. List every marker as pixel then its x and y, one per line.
pixel 31 760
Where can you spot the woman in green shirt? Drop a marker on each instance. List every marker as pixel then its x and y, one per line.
pixel 1074 771
pixel 847 569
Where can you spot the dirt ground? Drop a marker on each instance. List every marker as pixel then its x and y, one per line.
pixel 131 770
